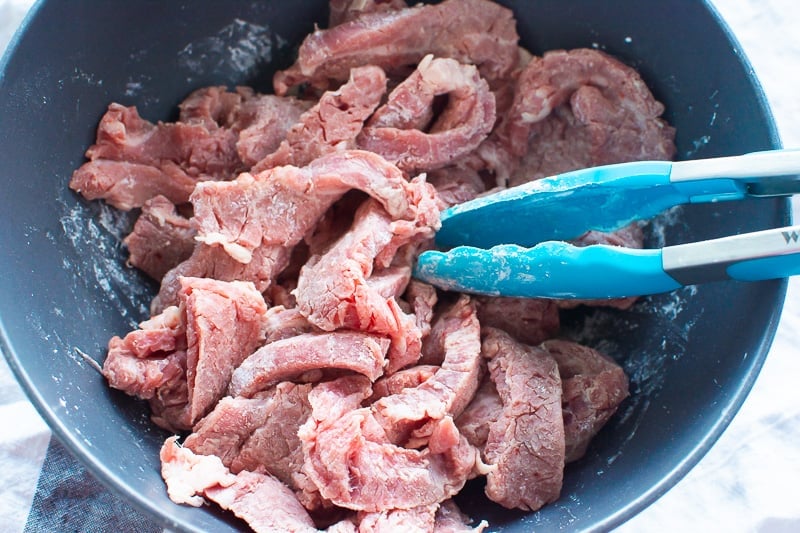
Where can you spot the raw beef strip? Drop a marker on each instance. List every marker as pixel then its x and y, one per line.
pixel 266 504
pixel 256 433
pixel 212 107
pixel 263 121
pixel 422 297
pixel 526 444
pixel 409 418
pixel 390 282
pixel 351 462
pixel 333 292
pixel 352 350
pixel 127 185
pixel 275 444
pixel 223 327
pixel 259 120
pixel 333 123
pixel 161 238
pixel 402 379
pixel 214 263
pixel 262 501
pixel 593 387
pixel 450 519
pixel 528 320
pixel 159 153
pixel 279 206
pixel 456 185
pixel 149 357
pixel 477 32
pixel 346 10
pixel 419 519
pixel 483 411
pixel 583 108
pixel 223 431
pixel 263 216
pixel 282 323
pixel 400 130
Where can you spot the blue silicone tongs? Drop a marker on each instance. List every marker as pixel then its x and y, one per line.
pixel 514 242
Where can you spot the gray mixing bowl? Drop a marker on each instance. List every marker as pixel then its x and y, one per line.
pixel 692 355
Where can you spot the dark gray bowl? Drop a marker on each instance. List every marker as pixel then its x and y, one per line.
pixel 692 355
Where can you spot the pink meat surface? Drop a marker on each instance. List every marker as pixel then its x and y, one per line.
pixel 161 238
pixel 214 263
pixel 484 410
pixel 333 123
pixel 262 501
pixel 525 445
pixel 582 108
pixel 350 460
pixel 477 32
pixel 279 206
pixel 250 225
pixel 263 121
pixel 256 433
pixel 410 416
pixel 352 350
pixel 528 320
pixel 333 289
pixel 149 357
pixel 345 10
pixel 400 129
pixel 593 387
pixel 132 159
pixel 223 327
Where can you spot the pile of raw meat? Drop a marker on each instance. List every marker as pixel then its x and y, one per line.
pixel 315 383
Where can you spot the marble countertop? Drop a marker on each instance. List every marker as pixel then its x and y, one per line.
pixel 746 483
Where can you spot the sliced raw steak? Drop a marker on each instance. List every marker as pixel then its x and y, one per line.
pixel 161 238
pixel 351 462
pixel 593 387
pixel 333 289
pixel 283 359
pixel 262 501
pixel 477 32
pixel 528 320
pixel 526 444
pixel 410 417
pixel 401 129
pixel 333 123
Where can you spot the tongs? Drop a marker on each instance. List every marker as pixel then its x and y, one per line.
pixel 515 242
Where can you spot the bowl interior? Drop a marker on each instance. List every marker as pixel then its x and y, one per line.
pixel 692 355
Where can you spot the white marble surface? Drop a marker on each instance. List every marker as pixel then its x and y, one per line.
pixel 746 483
